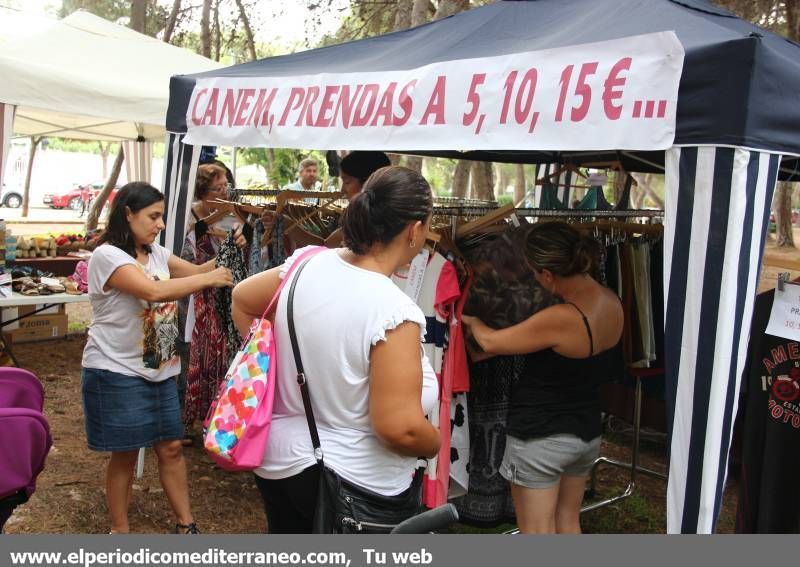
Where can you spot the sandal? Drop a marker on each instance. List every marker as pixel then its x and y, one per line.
pixel 187 529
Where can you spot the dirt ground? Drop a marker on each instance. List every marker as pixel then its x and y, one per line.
pixel 70 492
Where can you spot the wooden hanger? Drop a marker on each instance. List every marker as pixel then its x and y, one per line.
pixel 288 194
pixel 567 167
pixel 484 221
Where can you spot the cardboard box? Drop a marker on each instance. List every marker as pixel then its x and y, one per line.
pixel 11 313
pixel 39 328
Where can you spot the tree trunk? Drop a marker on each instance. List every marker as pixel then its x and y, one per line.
pixel 419 12
pixel 414 162
pixel 138 15
pixel 402 14
pixel 619 185
pixel 501 179
pixel 172 20
pixel 461 178
pixel 519 183
pixel 482 180
pixel 450 7
pixel 104 148
pixel 783 214
pixel 395 159
pixel 251 45
pixel 793 20
pixel 643 181
pixel 100 201
pixel 205 29
pixel 26 191
pixel 217 33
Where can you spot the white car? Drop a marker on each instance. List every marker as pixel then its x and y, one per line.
pixel 10 198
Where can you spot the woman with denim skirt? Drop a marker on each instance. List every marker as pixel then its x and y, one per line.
pixel 129 363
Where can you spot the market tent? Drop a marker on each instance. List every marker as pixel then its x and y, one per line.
pixel 603 79
pixel 84 77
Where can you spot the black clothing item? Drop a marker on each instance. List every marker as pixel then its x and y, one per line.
pixel 769 499
pixel 290 502
pixel 488 500
pixel 558 394
pixel 231 257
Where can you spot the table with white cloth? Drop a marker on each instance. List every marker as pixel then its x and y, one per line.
pixel 46 301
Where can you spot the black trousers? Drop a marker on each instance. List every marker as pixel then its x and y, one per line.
pixel 290 502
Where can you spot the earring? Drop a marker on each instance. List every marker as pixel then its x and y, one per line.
pixel 412 243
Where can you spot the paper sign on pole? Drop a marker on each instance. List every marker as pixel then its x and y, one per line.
pixel 784 319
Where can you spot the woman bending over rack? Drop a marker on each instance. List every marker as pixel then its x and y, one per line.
pixel 554 418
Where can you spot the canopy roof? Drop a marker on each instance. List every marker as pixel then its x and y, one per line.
pixel 84 77
pixel 739 84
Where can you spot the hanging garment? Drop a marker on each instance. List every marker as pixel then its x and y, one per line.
pixel 631 330
pixel 641 281
pixel 595 199
pixel 276 250
pixel 769 501
pixel 208 358
pixel 256 260
pixel 231 257
pixel 437 295
pixel 488 499
pixel 549 199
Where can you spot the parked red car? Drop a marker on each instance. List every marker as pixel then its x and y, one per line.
pixel 75 197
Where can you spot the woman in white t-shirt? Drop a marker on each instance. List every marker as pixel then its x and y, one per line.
pixel 129 393
pixel 360 340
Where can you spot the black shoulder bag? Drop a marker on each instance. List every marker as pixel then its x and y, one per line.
pixel 343 507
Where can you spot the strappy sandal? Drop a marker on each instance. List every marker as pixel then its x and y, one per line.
pixel 187 529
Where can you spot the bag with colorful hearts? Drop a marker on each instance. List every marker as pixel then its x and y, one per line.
pixel 238 421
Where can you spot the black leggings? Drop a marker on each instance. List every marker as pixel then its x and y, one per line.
pixel 290 502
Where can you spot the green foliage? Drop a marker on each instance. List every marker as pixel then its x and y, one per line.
pixel 439 173
pixel 505 199
pixel 79 146
pixel 118 11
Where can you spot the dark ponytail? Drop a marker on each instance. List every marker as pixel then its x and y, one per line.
pixel 392 197
pixel 560 249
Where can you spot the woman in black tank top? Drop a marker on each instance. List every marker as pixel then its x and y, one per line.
pixel 554 419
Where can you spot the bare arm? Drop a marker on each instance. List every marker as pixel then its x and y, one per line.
pixel 181 268
pixel 251 297
pixel 131 280
pixel 395 390
pixel 542 330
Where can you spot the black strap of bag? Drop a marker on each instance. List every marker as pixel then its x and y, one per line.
pixel 343 507
pixel 298 362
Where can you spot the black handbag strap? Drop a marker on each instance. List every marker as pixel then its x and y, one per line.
pixel 301 376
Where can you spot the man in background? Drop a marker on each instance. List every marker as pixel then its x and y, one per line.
pixel 306 179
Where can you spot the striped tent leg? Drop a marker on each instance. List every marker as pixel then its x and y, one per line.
pixel 180 170
pixel 717 205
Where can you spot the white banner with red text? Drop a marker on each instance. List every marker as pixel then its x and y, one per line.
pixel 619 94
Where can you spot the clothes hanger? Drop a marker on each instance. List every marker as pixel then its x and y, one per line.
pixel 484 221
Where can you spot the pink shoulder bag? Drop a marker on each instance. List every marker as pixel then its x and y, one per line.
pixel 238 421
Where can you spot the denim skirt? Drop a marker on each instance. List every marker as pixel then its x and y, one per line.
pixel 124 412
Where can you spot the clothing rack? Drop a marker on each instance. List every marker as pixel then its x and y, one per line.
pixel 472 210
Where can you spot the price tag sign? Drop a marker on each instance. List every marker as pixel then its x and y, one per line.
pixel 784 320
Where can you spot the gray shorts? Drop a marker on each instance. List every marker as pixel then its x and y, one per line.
pixel 541 462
